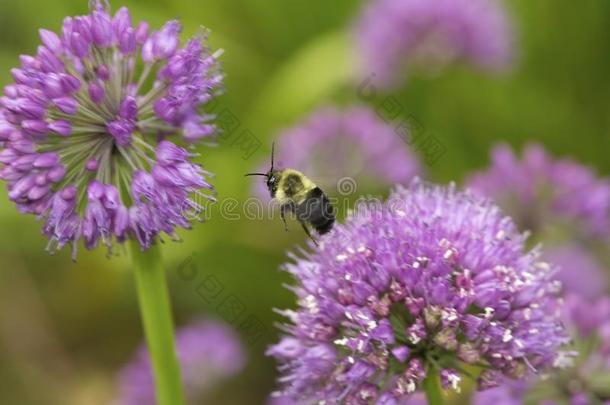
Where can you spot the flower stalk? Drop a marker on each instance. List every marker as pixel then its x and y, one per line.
pixel 432 387
pixel 153 298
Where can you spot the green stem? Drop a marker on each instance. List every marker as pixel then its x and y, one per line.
pixel 432 387
pixel 155 310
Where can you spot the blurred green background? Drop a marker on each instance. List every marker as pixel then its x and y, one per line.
pixel 66 329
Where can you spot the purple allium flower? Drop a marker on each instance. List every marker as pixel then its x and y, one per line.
pixel 539 191
pixel 207 351
pixel 580 272
pixel 85 129
pixel 432 277
pixel 584 383
pixel 402 35
pixel 586 315
pixel 510 393
pixel 564 204
pixel 335 143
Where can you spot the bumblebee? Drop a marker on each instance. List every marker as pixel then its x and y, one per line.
pixel 300 196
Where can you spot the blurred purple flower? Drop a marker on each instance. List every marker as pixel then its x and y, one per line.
pixel 539 191
pixel 395 36
pixel 587 316
pixel 332 144
pixel 580 272
pixel 207 351
pixel 83 132
pixel 509 393
pixel 562 202
pixel 431 275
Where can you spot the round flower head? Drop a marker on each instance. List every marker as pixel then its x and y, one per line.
pixel 430 280
pixel 332 144
pixel 393 35
pixel 565 206
pixel 207 351
pixel 584 383
pixel 86 129
pixel 541 192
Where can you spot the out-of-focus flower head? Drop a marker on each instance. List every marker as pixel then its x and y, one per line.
pixel 565 206
pixel 334 143
pixel 395 37
pixel 432 279
pixel 539 191
pixel 85 129
pixel 207 352
pixel 508 393
pixel 580 271
pixel 587 382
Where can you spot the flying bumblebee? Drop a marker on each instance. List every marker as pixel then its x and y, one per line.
pixel 300 196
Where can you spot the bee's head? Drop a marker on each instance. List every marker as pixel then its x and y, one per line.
pixel 272 177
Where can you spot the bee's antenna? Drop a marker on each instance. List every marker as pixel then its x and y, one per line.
pixel 272 154
pixel 255 174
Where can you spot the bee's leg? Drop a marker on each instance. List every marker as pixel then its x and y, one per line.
pixel 308 233
pixel 283 209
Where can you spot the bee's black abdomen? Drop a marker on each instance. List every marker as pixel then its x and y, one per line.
pixel 325 227
pixel 316 210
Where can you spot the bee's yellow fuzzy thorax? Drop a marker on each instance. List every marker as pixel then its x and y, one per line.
pixel 295 183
